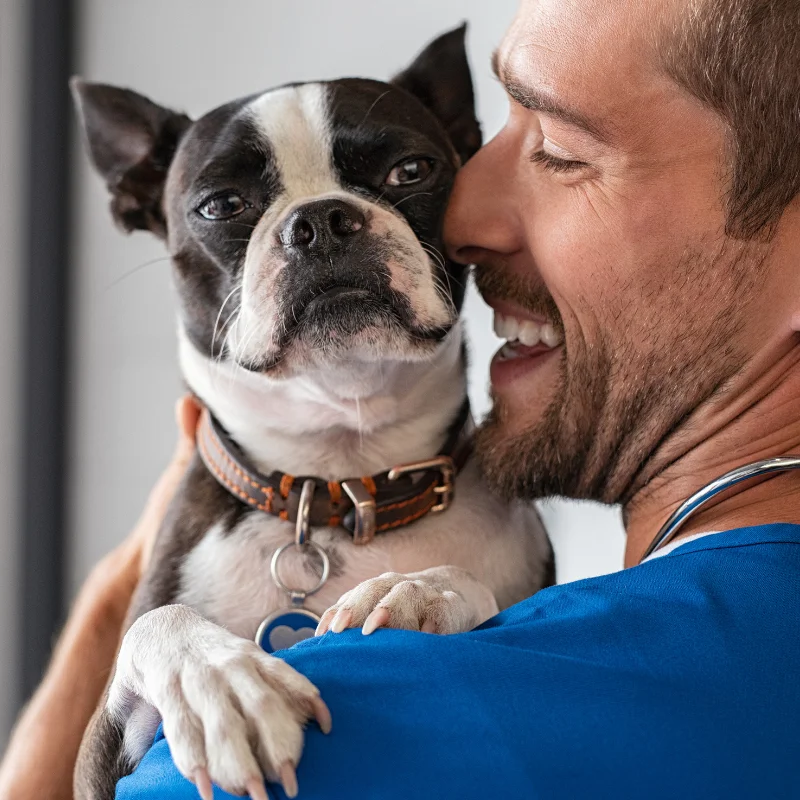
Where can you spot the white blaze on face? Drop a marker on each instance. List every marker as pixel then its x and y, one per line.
pixel 296 129
pixel 293 123
pixel 296 124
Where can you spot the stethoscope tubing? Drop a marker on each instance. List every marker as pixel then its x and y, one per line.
pixel 678 519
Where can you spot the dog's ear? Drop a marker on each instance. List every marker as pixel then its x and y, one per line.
pixel 132 142
pixel 441 79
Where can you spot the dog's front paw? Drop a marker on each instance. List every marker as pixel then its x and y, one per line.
pixel 416 602
pixel 231 713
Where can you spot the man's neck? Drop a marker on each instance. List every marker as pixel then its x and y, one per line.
pixel 753 419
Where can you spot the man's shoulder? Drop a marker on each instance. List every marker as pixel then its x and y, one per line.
pixel 669 656
pixel 672 675
pixel 742 568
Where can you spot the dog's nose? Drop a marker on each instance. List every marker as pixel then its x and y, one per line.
pixel 322 225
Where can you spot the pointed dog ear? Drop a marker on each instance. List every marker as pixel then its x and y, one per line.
pixel 441 79
pixel 131 142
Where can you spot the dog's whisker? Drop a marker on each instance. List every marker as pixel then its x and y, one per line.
pixel 359 424
pixel 372 107
pixel 219 358
pixel 434 253
pixel 219 316
pixel 410 197
pixel 229 327
pixel 136 269
pixel 254 329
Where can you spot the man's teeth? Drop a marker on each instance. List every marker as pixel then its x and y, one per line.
pixel 526 332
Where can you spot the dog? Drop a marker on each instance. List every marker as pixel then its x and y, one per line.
pixel 319 326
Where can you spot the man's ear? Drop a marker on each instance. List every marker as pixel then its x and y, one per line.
pixel 132 142
pixel 441 79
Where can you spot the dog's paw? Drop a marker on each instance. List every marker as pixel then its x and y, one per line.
pixel 232 714
pixel 411 602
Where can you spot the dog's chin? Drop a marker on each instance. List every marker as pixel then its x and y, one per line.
pixel 341 316
pixel 346 326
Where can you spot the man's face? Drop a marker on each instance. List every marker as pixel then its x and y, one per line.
pixel 599 209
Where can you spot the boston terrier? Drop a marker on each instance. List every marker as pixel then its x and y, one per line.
pixel 333 485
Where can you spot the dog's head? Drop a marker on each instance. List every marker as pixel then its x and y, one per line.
pixel 304 223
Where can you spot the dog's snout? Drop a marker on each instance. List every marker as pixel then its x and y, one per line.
pixel 322 225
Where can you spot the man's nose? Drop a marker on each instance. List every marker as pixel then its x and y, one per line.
pixel 322 225
pixel 481 215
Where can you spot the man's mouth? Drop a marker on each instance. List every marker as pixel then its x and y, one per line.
pixel 523 336
pixel 528 344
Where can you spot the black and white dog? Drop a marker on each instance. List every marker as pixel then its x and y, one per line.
pixel 319 326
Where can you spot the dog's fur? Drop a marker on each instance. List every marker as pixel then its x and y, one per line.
pixel 332 386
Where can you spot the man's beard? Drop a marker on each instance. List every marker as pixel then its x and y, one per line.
pixel 613 404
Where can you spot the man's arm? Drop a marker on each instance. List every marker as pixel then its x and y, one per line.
pixel 40 758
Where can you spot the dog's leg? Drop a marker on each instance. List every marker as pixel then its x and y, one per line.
pixel 101 760
pixel 436 600
pixel 232 714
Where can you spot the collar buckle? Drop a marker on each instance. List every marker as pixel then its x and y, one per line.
pixel 446 467
pixel 366 510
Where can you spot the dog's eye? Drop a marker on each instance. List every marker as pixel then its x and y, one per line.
pixel 412 171
pixel 223 206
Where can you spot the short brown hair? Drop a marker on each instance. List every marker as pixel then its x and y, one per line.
pixel 742 58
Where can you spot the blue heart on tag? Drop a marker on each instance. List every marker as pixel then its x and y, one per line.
pixel 286 628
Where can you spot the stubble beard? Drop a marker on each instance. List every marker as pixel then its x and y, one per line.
pixel 614 404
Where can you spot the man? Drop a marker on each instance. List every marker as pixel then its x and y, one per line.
pixel 643 198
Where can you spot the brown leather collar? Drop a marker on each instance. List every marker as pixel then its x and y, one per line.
pixel 363 506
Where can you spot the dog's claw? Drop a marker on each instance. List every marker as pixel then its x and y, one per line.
pixel 325 623
pixel 255 788
pixel 342 620
pixel 203 784
pixel 289 779
pixel 377 619
pixel 322 714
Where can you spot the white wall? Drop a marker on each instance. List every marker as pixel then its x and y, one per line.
pixel 195 54
pixel 12 83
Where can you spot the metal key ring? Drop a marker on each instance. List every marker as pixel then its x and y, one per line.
pixel 326 569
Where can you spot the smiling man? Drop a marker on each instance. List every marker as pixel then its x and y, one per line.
pixel 639 215
pixel 642 201
pixel 636 227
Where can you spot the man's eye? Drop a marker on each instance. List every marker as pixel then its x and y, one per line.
pixel 408 172
pixel 554 164
pixel 223 206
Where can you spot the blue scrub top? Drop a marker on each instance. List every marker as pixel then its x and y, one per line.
pixel 679 678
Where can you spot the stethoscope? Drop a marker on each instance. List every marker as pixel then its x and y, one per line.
pixel 677 520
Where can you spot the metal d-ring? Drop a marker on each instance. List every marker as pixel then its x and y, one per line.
pixel 302 541
pixel 302 530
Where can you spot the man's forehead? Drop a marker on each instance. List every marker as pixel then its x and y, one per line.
pixel 594 56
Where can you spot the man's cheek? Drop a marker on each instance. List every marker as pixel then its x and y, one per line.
pixel 600 276
pixel 577 268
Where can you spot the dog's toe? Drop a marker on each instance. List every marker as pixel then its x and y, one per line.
pixel 399 601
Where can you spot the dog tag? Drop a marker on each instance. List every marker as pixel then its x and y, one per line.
pixel 285 628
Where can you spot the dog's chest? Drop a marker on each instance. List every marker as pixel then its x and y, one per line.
pixel 227 576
